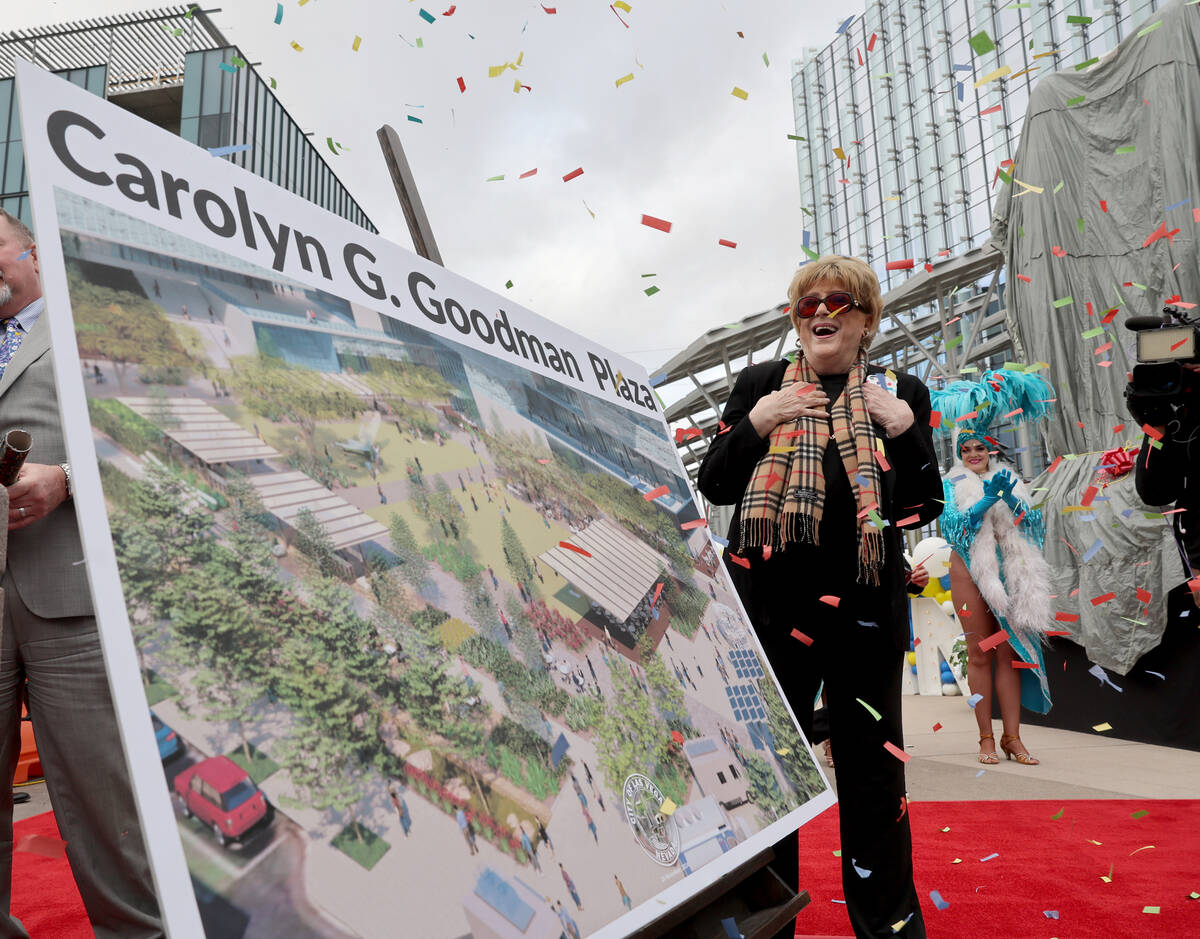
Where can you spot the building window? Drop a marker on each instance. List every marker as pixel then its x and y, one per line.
pixel 720 777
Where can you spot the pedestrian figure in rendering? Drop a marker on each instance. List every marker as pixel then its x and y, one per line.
pixel 571 887
pixel 624 895
pixel 465 827
pixel 401 809
pixel 530 852
pixel 591 824
pixel 544 836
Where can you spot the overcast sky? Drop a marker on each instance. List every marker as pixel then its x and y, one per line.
pixel 674 142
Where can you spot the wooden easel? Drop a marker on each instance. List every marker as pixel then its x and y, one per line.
pixel 761 905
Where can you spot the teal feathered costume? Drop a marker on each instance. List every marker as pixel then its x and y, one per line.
pixel 990 522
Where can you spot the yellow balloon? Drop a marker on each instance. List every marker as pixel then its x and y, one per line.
pixel 912 658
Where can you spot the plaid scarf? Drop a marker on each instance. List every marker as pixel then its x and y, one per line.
pixel 786 496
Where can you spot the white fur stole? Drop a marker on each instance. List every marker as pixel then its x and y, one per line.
pixel 1025 606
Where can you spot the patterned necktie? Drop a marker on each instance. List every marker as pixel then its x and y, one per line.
pixel 13 334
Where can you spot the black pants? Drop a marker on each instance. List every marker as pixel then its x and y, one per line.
pixel 856 662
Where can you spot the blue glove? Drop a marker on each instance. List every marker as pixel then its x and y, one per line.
pixel 976 512
pixel 1000 486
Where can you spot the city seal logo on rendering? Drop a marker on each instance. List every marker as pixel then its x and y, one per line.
pixel 654 829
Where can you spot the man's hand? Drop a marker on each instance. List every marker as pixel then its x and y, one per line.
pixel 38 491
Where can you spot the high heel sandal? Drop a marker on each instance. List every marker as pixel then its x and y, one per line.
pixel 1010 751
pixel 990 759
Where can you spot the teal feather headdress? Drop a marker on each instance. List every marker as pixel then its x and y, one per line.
pixel 971 408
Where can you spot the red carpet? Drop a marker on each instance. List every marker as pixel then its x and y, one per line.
pixel 1043 864
pixel 44 897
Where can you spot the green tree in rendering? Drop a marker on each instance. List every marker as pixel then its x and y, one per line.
pixel 279 392
pixel 664 689
pixel 515 557
pixel 631 737
pixel 125 328
pixel 764 788
pixel 790 750
pixel 411 567
pixel 314 543
pixel 325 772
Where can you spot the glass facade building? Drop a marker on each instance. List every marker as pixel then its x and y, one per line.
pixel 180 73
pixel 900 149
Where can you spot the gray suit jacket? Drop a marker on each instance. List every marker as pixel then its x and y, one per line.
pixel 43 557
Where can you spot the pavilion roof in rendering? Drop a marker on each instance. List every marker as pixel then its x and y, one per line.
pixel 619 573
pixel 285 494
pixel 201 429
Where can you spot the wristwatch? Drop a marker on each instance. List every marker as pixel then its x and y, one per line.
pixel 66 468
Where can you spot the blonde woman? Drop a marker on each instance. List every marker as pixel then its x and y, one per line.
pixel 827 457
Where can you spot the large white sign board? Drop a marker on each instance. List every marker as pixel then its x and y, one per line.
pixel 444 630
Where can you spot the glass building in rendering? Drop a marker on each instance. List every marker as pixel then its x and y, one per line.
pixel 178 72
pixel 906 116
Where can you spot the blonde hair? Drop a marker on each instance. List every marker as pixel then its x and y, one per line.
pixel 856 276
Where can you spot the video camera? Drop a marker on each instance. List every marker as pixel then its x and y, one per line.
pixel 1161 390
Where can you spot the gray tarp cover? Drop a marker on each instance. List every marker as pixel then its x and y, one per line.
pixel 1102 206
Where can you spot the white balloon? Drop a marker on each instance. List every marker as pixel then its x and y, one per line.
pixel 934 553
pixel 950 688
pixel 948 607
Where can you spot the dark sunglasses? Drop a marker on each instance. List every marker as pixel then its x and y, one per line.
pixel 839 302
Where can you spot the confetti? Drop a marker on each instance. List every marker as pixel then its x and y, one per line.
pixel 1140 813
pixel 224 151
pixel 661 224
pixel 578 171
pixel 740 561
pixel 357 42
pixel 278 13
pixel 575 548
pixel 831 600
pixel 861 871
pixel 1064 301
pixel 870 710
pixel 1101 728
pixel 740 93
pixel 427 16
pixel 1093 550
pixel 937 727
pixel 796 634
pixel 906 265
pixel 994 640
pixel 625 78
pixel 1059 814
pixel 974 700
pixel 726 243
pixel 297 46
pixel 1152 909
pixel 846 25
pixel 896 751
pixel 994 854
pixel 938 901
pixel 695 523
pixel 655 493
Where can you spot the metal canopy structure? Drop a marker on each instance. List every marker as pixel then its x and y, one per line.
pixel 619 573
pixel 201 430
pixel 928 328
pixel 148 53
pixel 285 495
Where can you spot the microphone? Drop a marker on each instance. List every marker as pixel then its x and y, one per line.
pixel 1138 323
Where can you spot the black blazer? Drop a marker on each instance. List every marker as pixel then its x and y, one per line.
pixel 912 486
